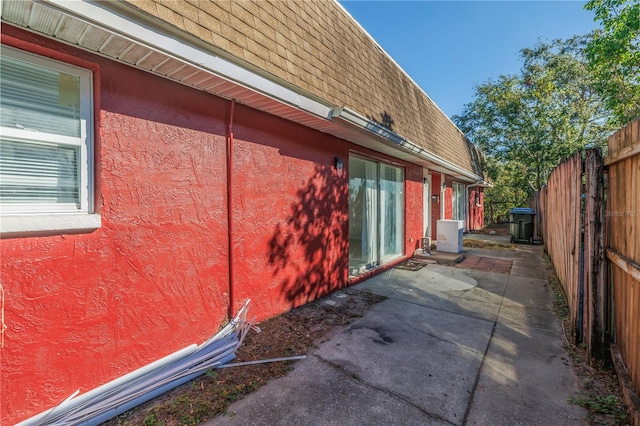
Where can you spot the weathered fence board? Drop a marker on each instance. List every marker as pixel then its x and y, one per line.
pixel 561 232
pixel 623 244
pixel 596 296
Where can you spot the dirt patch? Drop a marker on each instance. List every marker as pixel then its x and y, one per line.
pixel 491 245
pixel 411 265
pixel 494 229
pixel 599 391
pixel 287 335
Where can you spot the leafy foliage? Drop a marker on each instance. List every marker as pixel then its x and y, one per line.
pixel 614 56
pixel 510 188
pixel 527 123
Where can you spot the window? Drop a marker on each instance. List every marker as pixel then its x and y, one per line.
pixel 458 201
pixel 45 142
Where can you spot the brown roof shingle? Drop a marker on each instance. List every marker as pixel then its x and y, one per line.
pixel 318 47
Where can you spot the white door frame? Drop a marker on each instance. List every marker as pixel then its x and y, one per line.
pixel 443 194
pixel 426 202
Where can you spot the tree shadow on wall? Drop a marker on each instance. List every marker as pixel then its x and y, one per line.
pixel 309 251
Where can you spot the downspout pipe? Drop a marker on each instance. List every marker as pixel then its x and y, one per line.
pixel 230 256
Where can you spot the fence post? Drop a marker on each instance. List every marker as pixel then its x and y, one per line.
pixel 594 266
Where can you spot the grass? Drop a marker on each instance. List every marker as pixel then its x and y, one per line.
pixel 609 406
pixel 491 245
pixel 202 398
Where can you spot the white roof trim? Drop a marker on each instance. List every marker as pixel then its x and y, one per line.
pixel 174 48
pixel 365 124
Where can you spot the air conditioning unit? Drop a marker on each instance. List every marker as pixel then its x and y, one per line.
pixel 450 236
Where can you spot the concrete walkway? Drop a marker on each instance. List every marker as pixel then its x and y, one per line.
pixel 449 346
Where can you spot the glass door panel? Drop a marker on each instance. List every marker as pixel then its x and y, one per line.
pixel 391 212
pixel 363 215
pixel 376 213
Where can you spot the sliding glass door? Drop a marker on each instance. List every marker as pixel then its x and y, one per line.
pixel 376 213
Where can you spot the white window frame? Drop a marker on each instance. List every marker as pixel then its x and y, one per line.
pixel 32 218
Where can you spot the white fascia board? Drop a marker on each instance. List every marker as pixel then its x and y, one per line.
pixel 364 124
pixel 360 121
pixel 96 14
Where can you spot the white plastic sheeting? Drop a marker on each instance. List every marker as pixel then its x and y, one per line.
pixel 144 384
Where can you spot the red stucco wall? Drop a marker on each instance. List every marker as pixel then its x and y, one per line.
pixel 84 309
pixel 290 213
pixel 414 205
pixel 476 209
pixel 448 203
pixel 448 197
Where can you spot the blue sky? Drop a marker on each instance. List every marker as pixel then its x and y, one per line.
pixel 448 47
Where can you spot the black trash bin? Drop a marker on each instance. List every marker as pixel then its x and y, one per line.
pixel 521 225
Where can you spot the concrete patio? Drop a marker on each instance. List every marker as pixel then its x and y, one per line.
pixel 449 346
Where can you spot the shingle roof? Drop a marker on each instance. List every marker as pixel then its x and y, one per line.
pixel 317 47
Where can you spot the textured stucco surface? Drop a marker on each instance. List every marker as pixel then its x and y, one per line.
pixel 413 209
pixel 290 213
pixel 87 308
pixel 317 47
pixel 476 209
pixel 84 309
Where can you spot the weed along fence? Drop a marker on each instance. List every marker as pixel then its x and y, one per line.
pixel 590 210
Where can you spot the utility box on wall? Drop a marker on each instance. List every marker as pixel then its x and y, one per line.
pixel 450 236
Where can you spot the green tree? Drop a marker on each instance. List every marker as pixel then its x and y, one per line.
pixel 527 123
pixel 614 56
pixel 510 189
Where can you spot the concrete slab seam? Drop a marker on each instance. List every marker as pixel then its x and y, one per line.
pixel 434 308
pixel 484 356
pixel 354 377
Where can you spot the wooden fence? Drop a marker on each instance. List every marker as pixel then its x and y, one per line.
pixel 560 206
pixel 596 252
pixel 623 246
